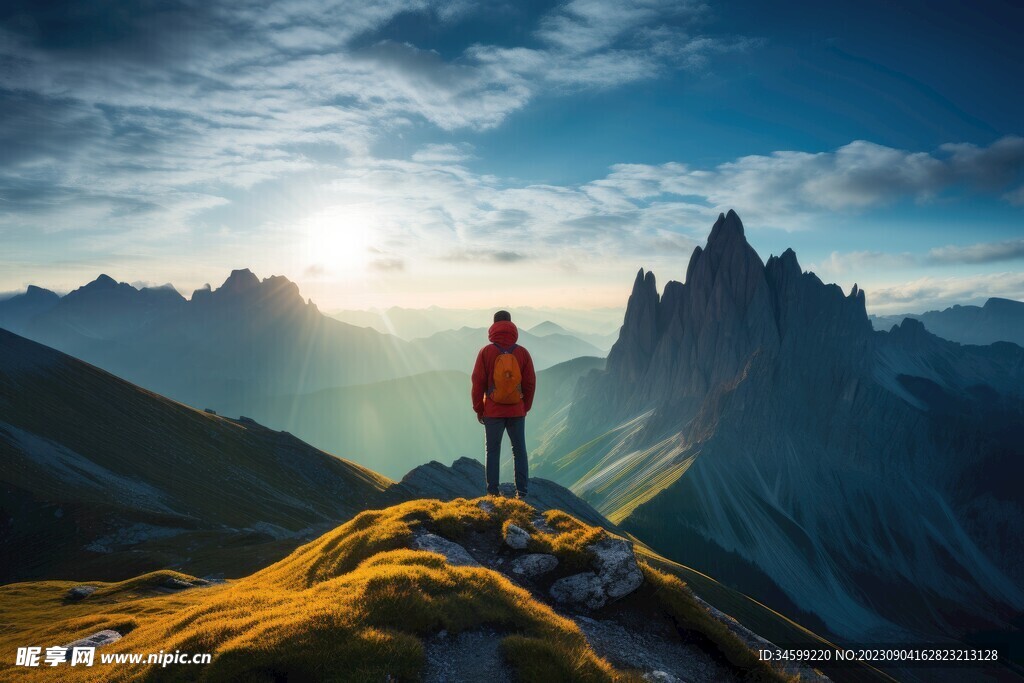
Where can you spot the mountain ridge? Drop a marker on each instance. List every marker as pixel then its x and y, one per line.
pixel 757 415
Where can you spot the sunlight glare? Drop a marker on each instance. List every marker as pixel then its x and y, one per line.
pixel 340 239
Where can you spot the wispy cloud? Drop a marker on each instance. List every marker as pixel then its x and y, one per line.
pixel 984 252
pixel 854 263
pixel 789 189
pixel 443 153
pixel 940 292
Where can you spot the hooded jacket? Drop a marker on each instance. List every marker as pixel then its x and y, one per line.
pixel 505 334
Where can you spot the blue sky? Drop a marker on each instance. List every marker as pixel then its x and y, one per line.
pixel 458 153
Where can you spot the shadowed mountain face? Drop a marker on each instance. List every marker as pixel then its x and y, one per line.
pixel 997 320
pixel 751 422
pixel 102 479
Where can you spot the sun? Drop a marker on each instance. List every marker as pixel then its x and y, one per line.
pixel 340 239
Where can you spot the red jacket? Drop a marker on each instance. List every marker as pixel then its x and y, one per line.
pixel 505 334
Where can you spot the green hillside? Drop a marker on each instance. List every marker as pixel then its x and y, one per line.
pixel 102 479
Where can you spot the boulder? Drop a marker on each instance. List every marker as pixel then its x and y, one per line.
pixel 453 552
pixel 616 567
pixel 534 564
pixel 79 592
pixel 516 537
pixel 580 590
pixel 98 639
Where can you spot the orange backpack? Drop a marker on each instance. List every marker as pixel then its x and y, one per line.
pixel 506 383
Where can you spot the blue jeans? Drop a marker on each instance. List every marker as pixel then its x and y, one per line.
pixel 494 431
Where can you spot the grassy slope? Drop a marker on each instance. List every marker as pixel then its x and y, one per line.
pixel 352 605
pixel 193 471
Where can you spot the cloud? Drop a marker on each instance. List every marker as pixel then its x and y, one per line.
pixel 838 265
pixel 790 189
pixel 984 252
pixel 424 206
pixel 150 105
pixel 443 153
pixel 476 256
pixel 937 292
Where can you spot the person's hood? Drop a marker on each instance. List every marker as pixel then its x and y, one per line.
pixel 503 333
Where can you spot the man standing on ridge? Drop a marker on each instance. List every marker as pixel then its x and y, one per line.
pixel 503 386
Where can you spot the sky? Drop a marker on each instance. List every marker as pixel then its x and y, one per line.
pixel 536 153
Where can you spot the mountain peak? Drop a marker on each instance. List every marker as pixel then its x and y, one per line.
pixel 104 281
pixel 35 291
pixel 240 280
pixel 726 228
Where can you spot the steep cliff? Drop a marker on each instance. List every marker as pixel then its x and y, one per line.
pixel 751 423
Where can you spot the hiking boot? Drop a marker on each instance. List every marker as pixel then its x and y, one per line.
pixel 521 495
pixel 493 492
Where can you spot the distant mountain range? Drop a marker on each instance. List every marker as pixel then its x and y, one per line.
pixel 997 320
pixel 397 424
pixel 753 423
pixel 595 326
pixel 257 348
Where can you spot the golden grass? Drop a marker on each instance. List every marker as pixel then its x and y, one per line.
pixel 677 599
pixel 352 605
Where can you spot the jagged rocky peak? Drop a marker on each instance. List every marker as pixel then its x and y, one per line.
pixel 727 228
pixel 240 280
pixel 727 251
pixel 244 287
pixel 639 332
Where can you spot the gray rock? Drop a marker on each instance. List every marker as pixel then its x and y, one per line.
pixel 179 584
pixel 464 478
pixel 98 639
pixel 79 592
pixel 580 590
pixel 466 656
pixel 616 567
pixel 534 564
pixel 453 552
pixel 517 537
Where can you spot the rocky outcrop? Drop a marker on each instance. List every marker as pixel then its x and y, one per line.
pixel 534 564
pixel 750 422
pixel 453 552
pixel 516 537
pixel 616 575
pixel 79 592
pixel 464 478
pixel 98 639
pixel 616 567
pixel 579 590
